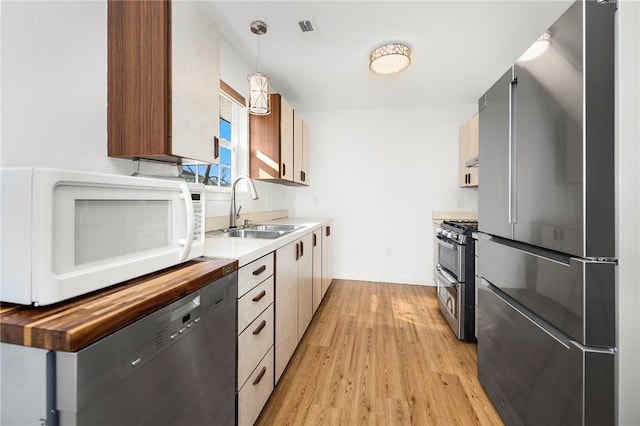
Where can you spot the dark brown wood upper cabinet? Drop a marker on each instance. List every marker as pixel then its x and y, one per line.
pixel 279 144
pixel 163 81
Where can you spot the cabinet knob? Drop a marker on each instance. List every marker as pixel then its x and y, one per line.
pixel 216 147
pixel 284 170
pixel 328 231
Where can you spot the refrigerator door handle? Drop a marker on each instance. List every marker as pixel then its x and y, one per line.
pixel 593 349
pixel 513 110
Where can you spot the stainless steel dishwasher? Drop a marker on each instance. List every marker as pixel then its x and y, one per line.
pixel 175 366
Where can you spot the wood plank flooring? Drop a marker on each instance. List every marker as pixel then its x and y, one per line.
pixel 380 354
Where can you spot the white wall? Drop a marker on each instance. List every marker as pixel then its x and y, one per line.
pixel 628 208
pixel 54 96
pixel 380 173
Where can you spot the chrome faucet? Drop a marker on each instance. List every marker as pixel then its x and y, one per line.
pixel 234 213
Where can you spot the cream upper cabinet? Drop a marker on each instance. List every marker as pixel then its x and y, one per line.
pixel 195 82
pixel 163 81
pixel 277 145
pixel 301 136
pixel 469 143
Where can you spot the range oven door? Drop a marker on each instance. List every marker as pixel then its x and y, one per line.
pixel 451 258
pixel 451 300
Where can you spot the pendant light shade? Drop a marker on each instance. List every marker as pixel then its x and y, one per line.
pixel 258 101
pixel 390 58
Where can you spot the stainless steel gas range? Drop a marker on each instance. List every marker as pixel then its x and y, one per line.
pixel 456 276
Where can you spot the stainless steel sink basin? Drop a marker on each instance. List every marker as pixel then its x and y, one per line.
pixel 250 233
pixel 278 228
pixel 269 232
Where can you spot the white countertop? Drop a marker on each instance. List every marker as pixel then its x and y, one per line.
pixel 246 250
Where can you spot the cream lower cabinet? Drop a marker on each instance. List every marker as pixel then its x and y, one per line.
pixel 255 338
pixel 294 298
pixel 326 259
pixel 317 269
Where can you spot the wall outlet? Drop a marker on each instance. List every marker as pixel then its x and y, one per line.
pixel 460 202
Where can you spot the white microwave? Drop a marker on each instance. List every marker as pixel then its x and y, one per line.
pixel 66 233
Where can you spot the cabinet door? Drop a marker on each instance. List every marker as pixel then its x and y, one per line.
pixel 473 150
pixel 493 194
pixel 136 128
pixel 300 149
pixel 326 259
pixel 286 305
pixel 468 146
pixel 264 142
pixel 195 82
pixel 463 137
pixel 287 138
pixel 317 268
pixel 473 141
pixel 305 284
pixel 306 141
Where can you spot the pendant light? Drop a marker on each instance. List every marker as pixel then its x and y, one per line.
pixel 258 101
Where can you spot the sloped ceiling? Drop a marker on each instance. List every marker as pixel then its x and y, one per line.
pixel 459 48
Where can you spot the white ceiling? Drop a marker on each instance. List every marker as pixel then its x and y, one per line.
pixel 459 48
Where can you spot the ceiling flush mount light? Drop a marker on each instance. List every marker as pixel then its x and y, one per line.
pixel 258 101
pixel 537 48
pixel 390 58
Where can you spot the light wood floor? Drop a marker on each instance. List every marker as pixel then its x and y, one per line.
pixel 380 354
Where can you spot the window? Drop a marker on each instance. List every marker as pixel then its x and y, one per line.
pixel 233 146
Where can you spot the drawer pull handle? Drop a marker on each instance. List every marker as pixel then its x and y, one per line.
pixel 259 296
pixel 260 270
pixel 260 376
pixel 259 328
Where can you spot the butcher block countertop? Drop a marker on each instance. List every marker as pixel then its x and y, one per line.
pixel 74 324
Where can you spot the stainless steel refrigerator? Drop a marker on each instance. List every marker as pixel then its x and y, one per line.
pixel 546 254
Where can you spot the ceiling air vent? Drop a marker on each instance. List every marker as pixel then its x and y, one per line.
pixel 305 26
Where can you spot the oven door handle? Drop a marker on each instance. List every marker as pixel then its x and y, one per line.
pixel 452 281
pixel 447 245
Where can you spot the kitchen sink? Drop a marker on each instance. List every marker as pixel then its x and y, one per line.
pixel 276 228
pixel 268 232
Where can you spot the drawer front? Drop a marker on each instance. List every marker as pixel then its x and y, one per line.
pixel 253 343
pixel 254 302
pixel 256 391
pixel 535 378
pixel 576 297
pixel 254 273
